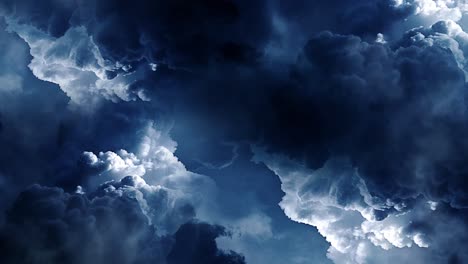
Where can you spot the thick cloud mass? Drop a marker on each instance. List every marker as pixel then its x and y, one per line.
pixel 148 115
pixel 383 145
pixel 74 62
pixel 360 226
pixel 408 115
pixel 195 243
pixel 48 225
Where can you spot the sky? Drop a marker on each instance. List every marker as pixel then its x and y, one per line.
pixel 233 131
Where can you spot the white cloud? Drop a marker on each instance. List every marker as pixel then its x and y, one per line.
pixel 154 160
pixel 118 165
pixel 447 34
pixel 434 10
pixel 336 201
pixel 165 208
pixel 75 63
pixel 162 185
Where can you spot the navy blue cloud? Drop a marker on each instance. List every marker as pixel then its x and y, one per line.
pixel 205 32
pixel 174 32
pixel 381 107
pixel 48 225
pixel 396 110
pixel 195 243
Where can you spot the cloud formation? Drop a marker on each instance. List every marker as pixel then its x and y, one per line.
pixel 48 225
pixel 74 62
pixel 391 159
pixel 360 226
pixel 358 108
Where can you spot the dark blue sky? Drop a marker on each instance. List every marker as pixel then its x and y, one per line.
pixel 231 131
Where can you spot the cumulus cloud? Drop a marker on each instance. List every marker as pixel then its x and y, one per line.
pixel 171 197
pixel 436 9
pixel 369 127
pixel 165 208
pixel 157 178
pixel 446 33
pixel 154 159
pixel 373 205
pixel 362 227
pixel 154 162
pixel 48 225
pixel 395 109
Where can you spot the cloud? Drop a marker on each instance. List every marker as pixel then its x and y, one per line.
pixel 165 208
pixel 48 225
pixel 395 127
pixel 393 109
pixel 90 59
pixel 195 243
pixel 436 9
pixel 152 167
pixel 362 227
pixel 160 210
pixel 154 158
pixel 74 62
pixel 447 34
pixel 374 204
pixel 93 58
pixel 370 124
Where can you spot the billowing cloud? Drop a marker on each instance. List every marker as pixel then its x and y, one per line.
pixel 436 9
pixel 362 227
pixel 159 182
pixel 48 225
pixel 358 108
pixel 74 62
pixel 195 243
pixel 154 159
pixel 373 205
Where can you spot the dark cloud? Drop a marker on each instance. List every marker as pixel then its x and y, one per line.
pixel 51 16
pixel 393 112
pixel 203 33
pixel 180 33
pixel 195 243
pixel 176 32
pixel 48 225
pixel 43 138
pixel 232 73
pixel 397 111
pixel 366 18
pixel 46 148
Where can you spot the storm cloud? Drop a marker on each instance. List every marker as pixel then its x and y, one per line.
pixel 48 225
pixel 175 129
